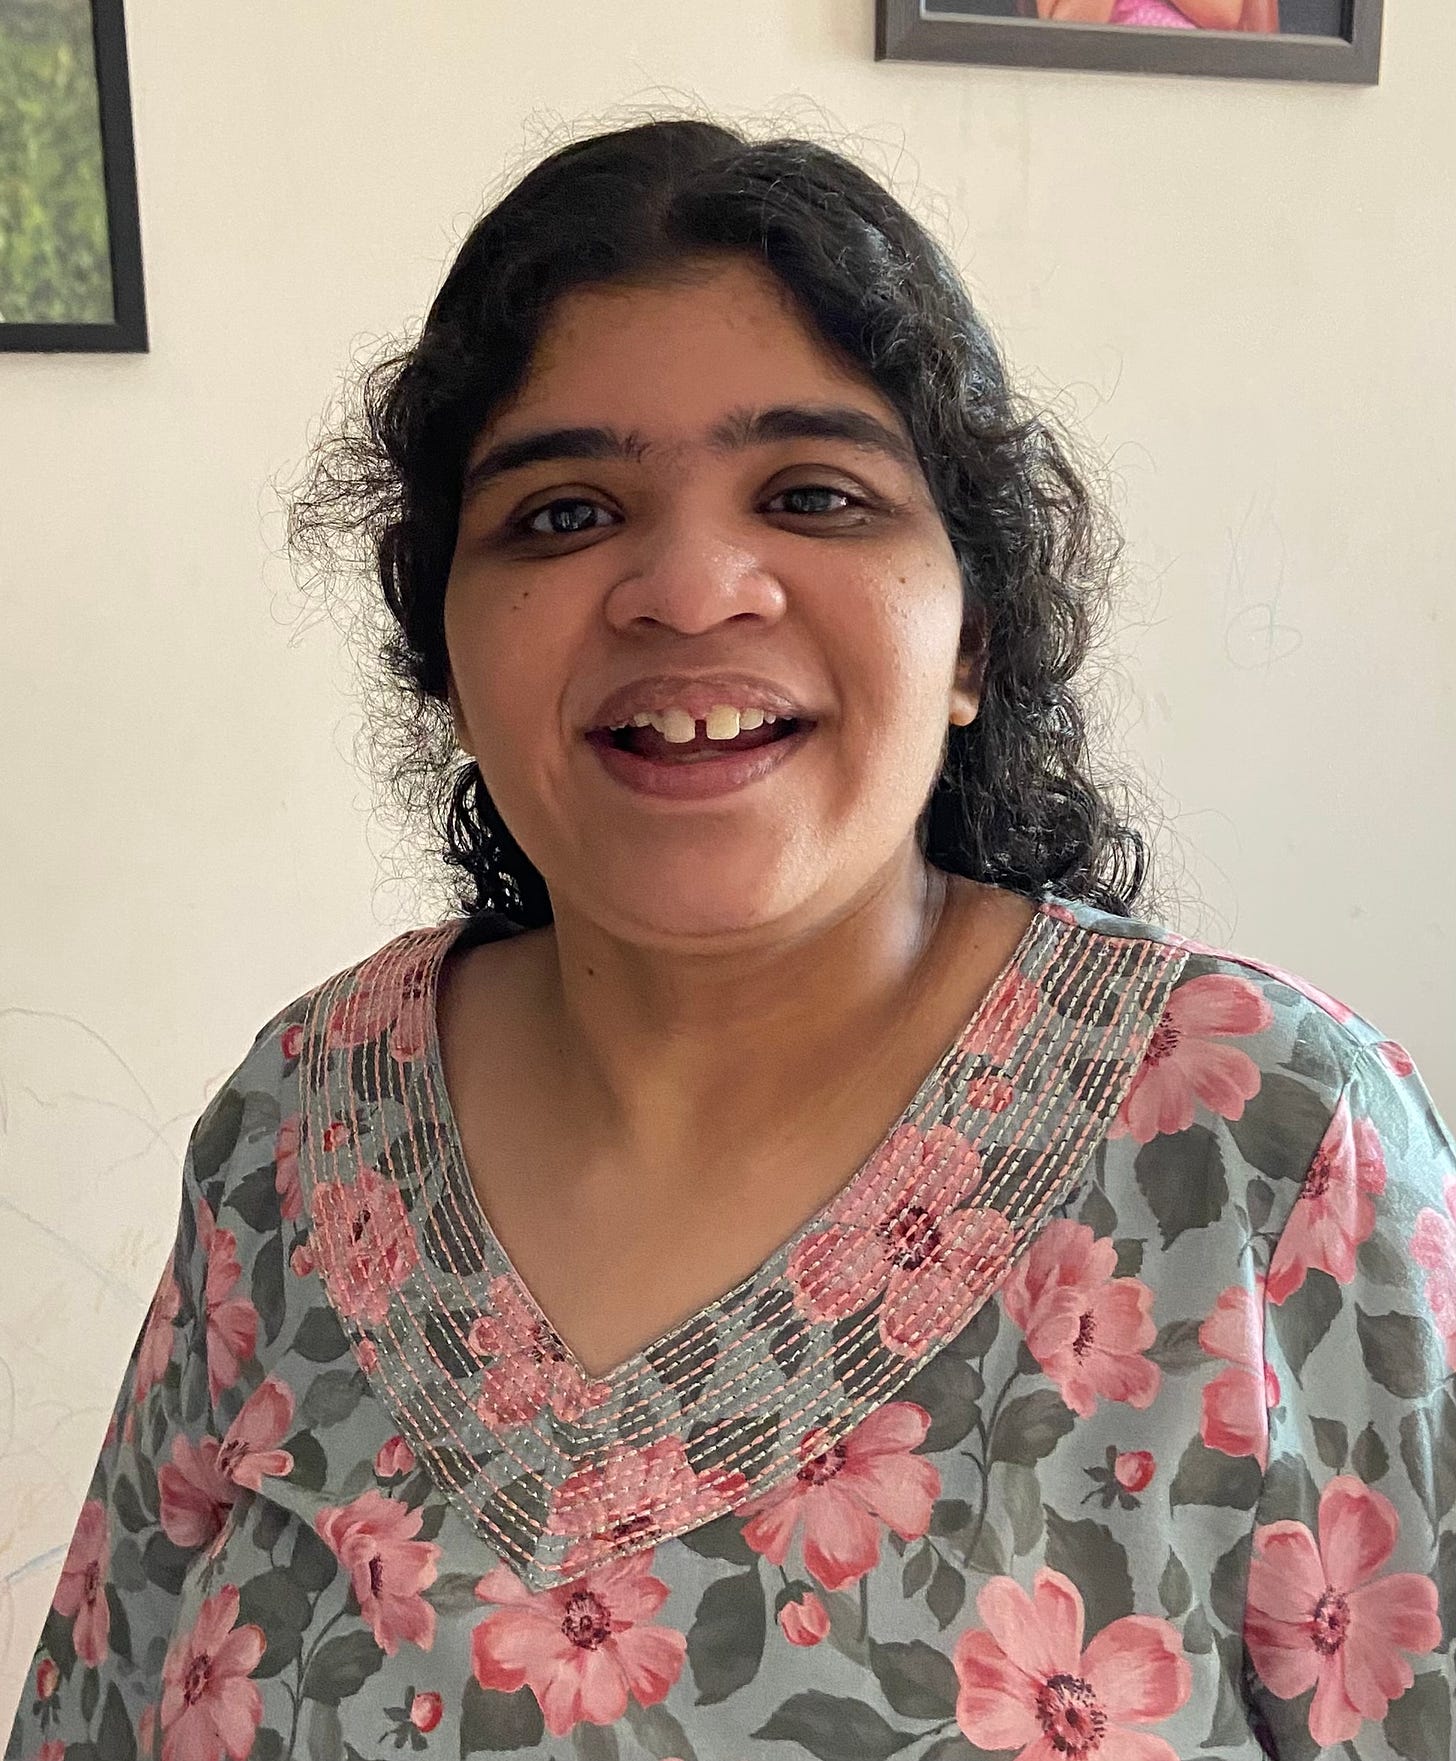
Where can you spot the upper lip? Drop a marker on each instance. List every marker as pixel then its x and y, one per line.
pixel 696 693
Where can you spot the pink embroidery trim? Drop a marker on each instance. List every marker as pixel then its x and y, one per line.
pixel 405 971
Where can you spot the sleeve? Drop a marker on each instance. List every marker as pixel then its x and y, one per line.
pixel 154 1503
pixel 1351 1588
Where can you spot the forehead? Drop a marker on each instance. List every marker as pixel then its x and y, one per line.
pixel 692 363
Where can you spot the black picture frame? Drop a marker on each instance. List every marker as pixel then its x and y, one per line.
pixel 126 331
pixel 1002 36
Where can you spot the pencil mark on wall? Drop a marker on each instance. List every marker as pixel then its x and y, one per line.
pixel 1255 635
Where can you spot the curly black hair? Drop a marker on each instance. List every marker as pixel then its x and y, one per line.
pixel 1016 803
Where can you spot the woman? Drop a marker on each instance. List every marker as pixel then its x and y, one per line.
pixel 797 1266
pixel 1210 15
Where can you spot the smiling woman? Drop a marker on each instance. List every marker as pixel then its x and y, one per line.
pixel 795 1265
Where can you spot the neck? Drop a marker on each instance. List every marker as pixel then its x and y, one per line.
pixel 653 1050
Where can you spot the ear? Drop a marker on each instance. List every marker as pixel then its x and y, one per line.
pixel 970 674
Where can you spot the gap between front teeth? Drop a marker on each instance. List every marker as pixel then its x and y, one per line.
pixel 677 727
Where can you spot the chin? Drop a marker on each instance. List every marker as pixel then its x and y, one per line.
pixel 697 901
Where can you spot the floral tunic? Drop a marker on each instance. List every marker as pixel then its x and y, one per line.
pixel 1107 1412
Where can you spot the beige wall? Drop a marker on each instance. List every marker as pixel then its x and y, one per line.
pixel 1242 289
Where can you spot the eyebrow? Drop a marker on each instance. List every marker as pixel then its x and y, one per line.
pixel 736 432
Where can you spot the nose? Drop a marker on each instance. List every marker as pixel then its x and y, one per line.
pixel 693 581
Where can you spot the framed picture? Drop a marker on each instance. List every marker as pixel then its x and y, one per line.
pixel 70 242
pixel 1246 39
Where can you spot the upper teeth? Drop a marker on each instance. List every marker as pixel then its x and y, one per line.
pixel 724 722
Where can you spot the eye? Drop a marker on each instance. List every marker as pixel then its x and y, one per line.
pixel 812 492
pixel 567 516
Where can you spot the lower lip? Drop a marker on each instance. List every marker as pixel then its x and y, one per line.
pixel 704 778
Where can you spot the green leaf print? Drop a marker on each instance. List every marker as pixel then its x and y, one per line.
pixel 216 1134
pixel 1096 1562
pixel 320 1338
pixel 494 1722
pixel 1021 1499
pixel 1370 1458
pixel 725 1642
pixel 659 1733
pixel 267 1285
pixel 1030 1427
pixel 834 1729
pixel 1418 1724
pixel 950 1389
pixel 116 1738
pixel 1175 1591
pixel 274 1602
pixel 1181 1176
pixel 947 1593
pixel 1331 1442
pixel 1285 1111
pixel 1207 1476
pixel 1304 1319
pixel 1176 1349
pixel 720 1539
pixel 595 1742
pixel 331 1398
pixel 341 1666
pixel 917 1680
pixel 325 1733
pixel 314 1565
pixel 1398 1352
pixel 918 1566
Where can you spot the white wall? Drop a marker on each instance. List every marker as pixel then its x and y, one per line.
pixel 1242 288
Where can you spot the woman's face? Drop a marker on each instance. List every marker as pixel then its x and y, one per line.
pixel 702 513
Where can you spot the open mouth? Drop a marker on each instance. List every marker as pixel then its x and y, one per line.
pixel 683 742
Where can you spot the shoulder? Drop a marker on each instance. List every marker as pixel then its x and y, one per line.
pixel 245 1141
pixel 1264 1059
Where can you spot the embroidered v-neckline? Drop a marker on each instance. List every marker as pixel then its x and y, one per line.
pixel 559 1472
pixel 456 1168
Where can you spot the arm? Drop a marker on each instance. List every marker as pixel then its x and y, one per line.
pixel 155 1502
pixel 1353 1570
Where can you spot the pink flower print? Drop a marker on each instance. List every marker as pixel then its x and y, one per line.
pixel 1398 1060
pixel 1236 1402
pixel 390 1001
pixel 1332 1007
pixel 290 1042
pixel 155 1351
pixel 919 1247
pixel 250 1447
pixel 1185 1064
pixel 1087 1329
pixel 583 1648
pixel 285 1168
pixel 1133 1470
pixel 232 1321
pixel 395 1457
pixel 426 1711
pixel 1003 1019
pixel 301 1259
pixel 1333 1213
pixel 530 1367
pixel 363 1243
pixel 1027 1684
pixel 210 1707
pixel 805 1620
pixel 54 1750
pixel 195 1496
pixel 1433 1245
pixel 368 1356
pixel 843 1492
pixel 637 1492
pixel 373 1539
pixel 147 1729
pixel 47 1678
pixel 198 1486
pixel 1319 1618
pixel 81 1592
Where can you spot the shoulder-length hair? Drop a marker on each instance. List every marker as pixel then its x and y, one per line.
pixel 1016 804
